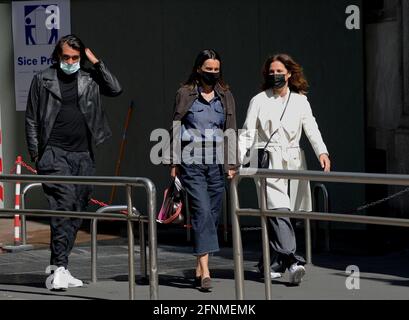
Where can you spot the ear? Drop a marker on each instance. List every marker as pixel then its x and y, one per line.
pixel 289 75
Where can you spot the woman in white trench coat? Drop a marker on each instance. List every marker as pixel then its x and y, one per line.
pixel 281 111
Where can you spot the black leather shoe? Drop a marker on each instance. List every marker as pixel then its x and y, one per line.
pixel 197 282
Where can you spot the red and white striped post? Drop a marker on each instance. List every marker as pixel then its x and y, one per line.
pixel 17 224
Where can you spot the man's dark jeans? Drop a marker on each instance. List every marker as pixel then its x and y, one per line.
pixel 65 197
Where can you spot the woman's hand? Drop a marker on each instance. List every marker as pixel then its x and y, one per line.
pixel 325 162
pixel 231 174
pixel 174 171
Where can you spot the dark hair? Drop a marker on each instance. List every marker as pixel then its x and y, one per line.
pixel 204 55
pixel 296 82
pixel 74 42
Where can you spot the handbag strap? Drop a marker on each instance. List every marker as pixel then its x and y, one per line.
pixel 282 115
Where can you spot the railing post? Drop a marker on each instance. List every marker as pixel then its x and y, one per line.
pixel 308 251
pixel 142 245
pixel 237 244
pixel 131 263
pixel 23 217
pixel 94 232
pixel 225 222
pixel 326 209
pixel 128 183
pixel 153 242
pixel 23 229
pixel 264 232
pixel 325 195
pixel 188 220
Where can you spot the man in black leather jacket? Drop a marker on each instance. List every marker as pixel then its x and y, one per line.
pixel 64 117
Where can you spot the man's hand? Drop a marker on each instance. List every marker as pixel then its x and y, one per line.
pixel 91 57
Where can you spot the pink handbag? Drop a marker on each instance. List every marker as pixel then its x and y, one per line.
pixel 171 210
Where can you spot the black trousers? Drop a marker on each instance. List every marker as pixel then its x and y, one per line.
pixel 65 197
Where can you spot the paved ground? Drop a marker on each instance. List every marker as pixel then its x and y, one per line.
pixel 22 274
pixel 38 233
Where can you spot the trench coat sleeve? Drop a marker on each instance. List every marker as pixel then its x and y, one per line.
pixel 311 130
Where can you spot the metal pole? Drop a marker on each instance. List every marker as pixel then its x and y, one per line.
pixel 23 219
pixel 188 220
pixel 225 208
pixel 131 264
pixel 264 232
pixel 23 230
pixel 237 244
pixel 315 208
pixel 328 224
pixel 94 250
pixel 118 181
pixel 23 206
pixel 308 254
pixel 153 242
pixel 142 244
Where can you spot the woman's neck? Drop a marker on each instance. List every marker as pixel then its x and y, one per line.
pixel 206 88
pixel 281 92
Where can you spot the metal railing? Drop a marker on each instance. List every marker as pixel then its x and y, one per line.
pixel 94 231
pixel 263 212
pixel 325 208
pixel 142 239
pixel 126 182
pixel 26 189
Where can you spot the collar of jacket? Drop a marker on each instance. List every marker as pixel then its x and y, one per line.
pixel 217 88
pixel 51 81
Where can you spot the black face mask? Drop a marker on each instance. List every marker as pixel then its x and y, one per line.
pixel 210 78
pixel 276 81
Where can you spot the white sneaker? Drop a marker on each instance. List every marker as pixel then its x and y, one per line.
pixel 73 282
pixel 275 275
pixel 60 279
pixel 296 274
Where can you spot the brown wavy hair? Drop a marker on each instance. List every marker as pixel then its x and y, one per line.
pixel 296 82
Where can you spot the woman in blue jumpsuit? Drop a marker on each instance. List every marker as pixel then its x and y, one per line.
pixel 205 108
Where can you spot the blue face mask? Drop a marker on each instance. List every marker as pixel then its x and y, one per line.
pixel 70 68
